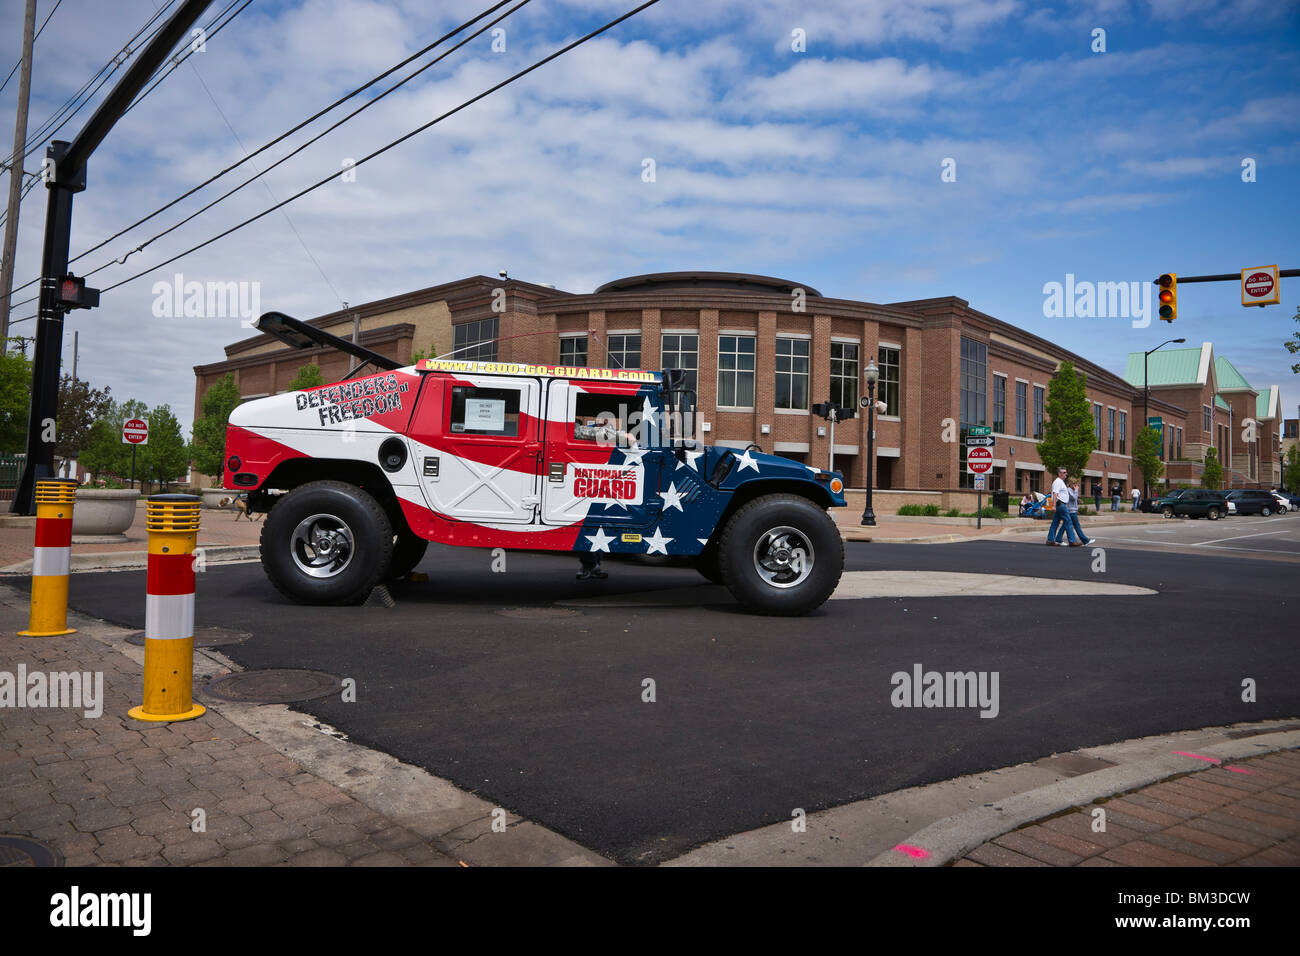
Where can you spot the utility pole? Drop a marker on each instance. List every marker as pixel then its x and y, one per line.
pixel 16 176
pixel 67 161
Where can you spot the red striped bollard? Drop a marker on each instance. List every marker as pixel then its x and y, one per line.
pixel 173 525
pixel 50 559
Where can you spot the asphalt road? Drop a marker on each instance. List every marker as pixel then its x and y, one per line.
pixel 1273 538
pixel 540 709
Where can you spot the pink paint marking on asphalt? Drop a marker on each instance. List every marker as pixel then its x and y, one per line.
pixel 1238 769
pixel 1184 753
pixel 913 851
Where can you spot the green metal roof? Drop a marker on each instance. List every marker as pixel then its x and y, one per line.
pixel 1166 367
pixel 1220 403
pixel 1261 403
pixel 1227 375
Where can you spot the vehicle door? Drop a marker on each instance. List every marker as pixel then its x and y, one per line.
pixel 477 445
pixel 601 463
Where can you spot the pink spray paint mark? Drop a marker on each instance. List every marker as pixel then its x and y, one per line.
pixel 1238 769
pixel 913 851
pixel 1184 753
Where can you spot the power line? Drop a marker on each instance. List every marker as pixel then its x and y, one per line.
pixel 111 66
pixel 208 33
pixel 34 39
pixel 397 142
pixel 369 83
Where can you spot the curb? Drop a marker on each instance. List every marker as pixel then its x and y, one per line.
pixel 139 560
pixel 953 837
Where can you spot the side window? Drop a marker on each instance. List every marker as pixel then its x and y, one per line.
pixel 476 410
pixel 598 419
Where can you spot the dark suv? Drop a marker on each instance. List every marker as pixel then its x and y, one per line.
pixel 1192 502
pixel 1253 501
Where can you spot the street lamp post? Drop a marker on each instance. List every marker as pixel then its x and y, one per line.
pixel 1146 409
pixel 872 375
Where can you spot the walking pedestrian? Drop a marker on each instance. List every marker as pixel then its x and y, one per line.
pixel 1060 513
pixel 1137 498
pixel 1072 507
pixel 1096 495
pixel 1114 497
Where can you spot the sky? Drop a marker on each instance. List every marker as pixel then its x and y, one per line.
pixel 875 150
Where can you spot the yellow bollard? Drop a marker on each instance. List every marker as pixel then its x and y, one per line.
pixel 173 525
pixel 49 615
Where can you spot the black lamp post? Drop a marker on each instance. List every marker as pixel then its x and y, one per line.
pixel 872 375
pixel 1146 402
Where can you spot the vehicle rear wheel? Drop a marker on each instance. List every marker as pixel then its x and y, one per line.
pixel 408 552
pixel 326 542
pixel 1167 511
pixel 1265 511
pixel 1212 514
pixel 781 554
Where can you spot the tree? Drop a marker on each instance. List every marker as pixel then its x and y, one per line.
pixel 15 401
pixel 1293 344
pixel 1212 475
pixel 166 457
pixel 308 376
pixel 1146 455
pixel 1291 473
pixel 209 448
pixel 1069 435
pixel 80 406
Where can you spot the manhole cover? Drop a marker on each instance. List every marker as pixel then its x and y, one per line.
pixel 273 686
pixel 537 613
pixel 203 637
pixel 24 851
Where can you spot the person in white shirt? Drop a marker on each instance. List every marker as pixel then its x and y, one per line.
pixel 1137 498
pixel 1061 513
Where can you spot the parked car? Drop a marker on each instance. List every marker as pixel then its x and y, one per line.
pixel 1253 501
pixel 1193 503
pixel 1283 504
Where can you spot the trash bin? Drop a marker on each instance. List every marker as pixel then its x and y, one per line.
pixel 1002 500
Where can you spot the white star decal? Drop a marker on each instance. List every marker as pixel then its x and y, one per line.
pixel 746 462
pixel 600 541
pixel 703 541
pixel 649 414
pixel 690 457
pixel 672 497
pixel 657 543
pixel 633 456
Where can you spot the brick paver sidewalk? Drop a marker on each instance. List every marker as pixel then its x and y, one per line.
pixel 1217 817
pixel 111 790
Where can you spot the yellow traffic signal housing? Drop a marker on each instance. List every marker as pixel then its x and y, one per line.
pixel 1168 296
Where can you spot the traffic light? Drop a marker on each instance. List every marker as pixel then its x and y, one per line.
pixel 1168 296
pixel 73 293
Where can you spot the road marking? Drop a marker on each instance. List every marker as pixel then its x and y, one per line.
pixel 1206 543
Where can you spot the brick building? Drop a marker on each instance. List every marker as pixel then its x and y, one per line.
pixel 760 351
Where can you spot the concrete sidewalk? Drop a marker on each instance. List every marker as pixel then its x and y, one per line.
pixel 273 787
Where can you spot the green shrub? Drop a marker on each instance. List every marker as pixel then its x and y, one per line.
pixel 919 511
pixel 952 513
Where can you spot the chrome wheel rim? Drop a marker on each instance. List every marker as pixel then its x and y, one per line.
pixel 322 546
pixel 783 557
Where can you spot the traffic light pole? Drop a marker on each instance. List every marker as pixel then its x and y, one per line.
pixel 65 174
pixel 1232 277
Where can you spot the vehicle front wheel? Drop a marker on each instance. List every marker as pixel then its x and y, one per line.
pixel 408 552
pixel 326 542
pixel 781 554
pixel 1167 511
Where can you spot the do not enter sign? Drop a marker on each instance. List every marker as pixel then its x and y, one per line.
pixel 135 431
pixel 1259 286
pixel 979 460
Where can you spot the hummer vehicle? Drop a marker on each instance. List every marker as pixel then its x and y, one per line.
pixel 357 477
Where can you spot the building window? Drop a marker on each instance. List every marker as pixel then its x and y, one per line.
pixel 792 373
pixel 1110 429
pixel 1096 425
pixel 1180 444
pixel 1022 390
pixel 1206 416
pixel 573 350
pixel 624 351
pixel 475 340
pixel 683 352
pixel 1038 411
pixel 974 375
pixel 736 371
pixel 1028 480
pixel 889 379
pixel 844 374
pixel 1000 404
pixel 1123 433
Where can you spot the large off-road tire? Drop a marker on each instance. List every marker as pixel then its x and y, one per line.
pixel 781 554
pixel 408 551
pixel 326 542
